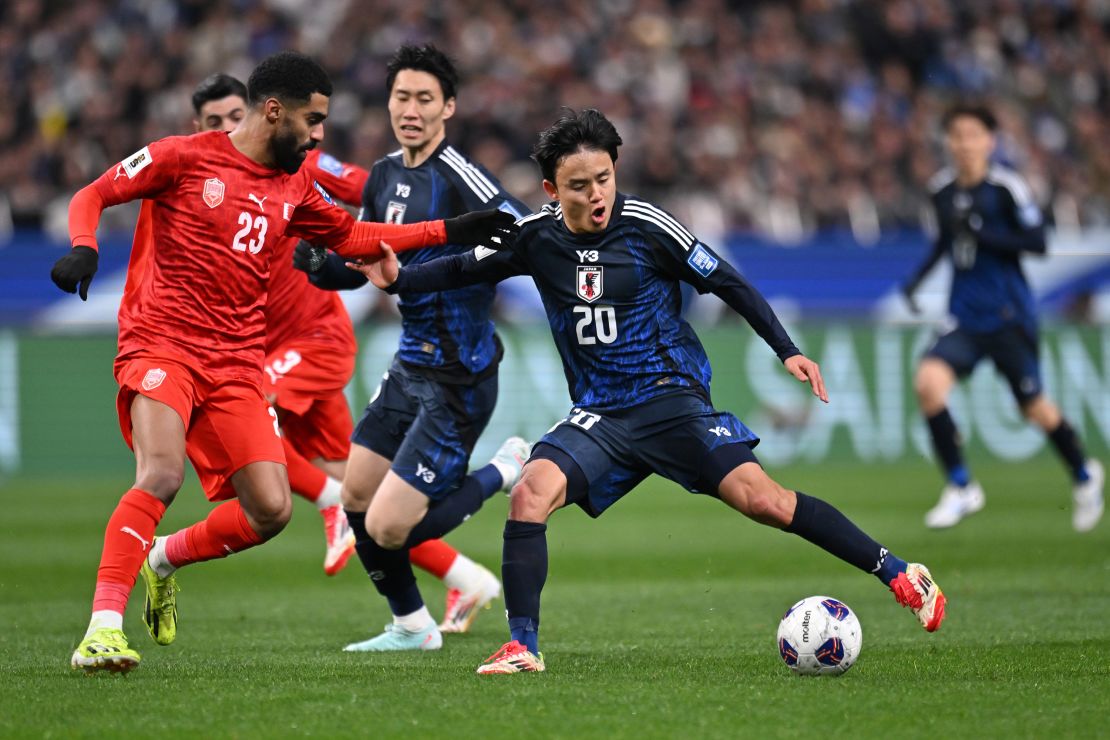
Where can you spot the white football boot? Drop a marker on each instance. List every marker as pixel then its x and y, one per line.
pixel 956 503
pixel 1087 498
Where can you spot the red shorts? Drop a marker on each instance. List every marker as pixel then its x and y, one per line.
pixel 305 379
pixel 228 423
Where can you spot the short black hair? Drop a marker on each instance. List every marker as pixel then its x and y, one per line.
pixel 589 130
pixel 426 58
pixel 980 112
pixel 287 76
pixel 217 87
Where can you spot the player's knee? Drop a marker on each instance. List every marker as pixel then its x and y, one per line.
pixel 354 499
pixel 161 481
pixel 530 502
pixel 268 518
pixel 389 535
pixel 766 502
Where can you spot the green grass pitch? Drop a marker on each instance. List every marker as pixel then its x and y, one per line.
pixel 659 621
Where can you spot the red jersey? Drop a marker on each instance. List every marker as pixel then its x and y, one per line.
pixel 296 309
pixel 200 267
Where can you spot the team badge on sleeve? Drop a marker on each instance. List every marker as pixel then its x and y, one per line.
pixel 323 193
pixel 590 283
pixel 136 162
pixel 330 164
pixel 213 194
pixel 702 261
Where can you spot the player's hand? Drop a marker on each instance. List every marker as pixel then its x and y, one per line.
pixel 907 294
pixel 381 272
pixel 807 371
pixel 493 228
pixel 309 257
pixel 74 271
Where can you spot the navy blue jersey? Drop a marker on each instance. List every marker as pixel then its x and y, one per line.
pixel 984 230
pixel 449 333
pixel 613 299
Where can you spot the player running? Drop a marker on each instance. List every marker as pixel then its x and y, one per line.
pixel 310 344
pixel 988 218
pixel 310 357
pixel 608 267
pixel 192 331
pixel 407 477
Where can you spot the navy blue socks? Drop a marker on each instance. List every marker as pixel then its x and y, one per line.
pixel 824 525
pixel 1067 444
pixel 524 571
pixel 946 443
pixel 389 570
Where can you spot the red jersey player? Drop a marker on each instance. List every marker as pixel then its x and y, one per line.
pixel 310 357
pixel 192 332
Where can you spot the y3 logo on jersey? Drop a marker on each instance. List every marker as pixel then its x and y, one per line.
pixel 425 474
pixel 403 190
pixel 586 255
pixel 590 283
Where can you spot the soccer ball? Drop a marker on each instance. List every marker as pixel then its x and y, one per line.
pixel 819 636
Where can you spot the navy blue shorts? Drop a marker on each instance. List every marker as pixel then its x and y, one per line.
pixel 678 436
pixel 1013 350
pixel 426 428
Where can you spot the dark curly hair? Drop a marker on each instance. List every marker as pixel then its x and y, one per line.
pixel 288 76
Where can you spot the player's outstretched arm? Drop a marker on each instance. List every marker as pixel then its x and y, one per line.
pixel 491 227
pixel 1012 242
pixel 326 270
pixel 478 266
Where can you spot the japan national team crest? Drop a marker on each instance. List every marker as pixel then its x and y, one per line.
pixel 213 192
pixel 153 378
pixel 590 283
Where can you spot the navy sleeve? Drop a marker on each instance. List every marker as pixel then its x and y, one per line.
pixel 335 275
pixel 480 265
pixel 701 267
pixel 1024 233
pixel 476 188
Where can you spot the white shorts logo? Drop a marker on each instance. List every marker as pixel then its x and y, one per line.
pixel 153 378
pixel 424 474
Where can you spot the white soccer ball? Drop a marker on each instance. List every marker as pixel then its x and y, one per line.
pixel 819 636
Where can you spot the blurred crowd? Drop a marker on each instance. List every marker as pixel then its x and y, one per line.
pixel 777 117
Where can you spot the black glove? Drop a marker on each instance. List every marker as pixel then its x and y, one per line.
pixel 76 269
pixel 309 257
pixel 494 228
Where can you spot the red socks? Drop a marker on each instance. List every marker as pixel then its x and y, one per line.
pixel 434 556
pixel 226 530
pixel 127 541
pixel 305 479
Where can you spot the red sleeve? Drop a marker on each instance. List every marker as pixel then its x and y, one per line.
pixel 344 180
pixel 362 241
pixel 145 174
pixel 320 221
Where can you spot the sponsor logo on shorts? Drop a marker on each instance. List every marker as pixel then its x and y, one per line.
pixel 213 194
pixel 153 378
pixel 719 431
pixel 425 474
